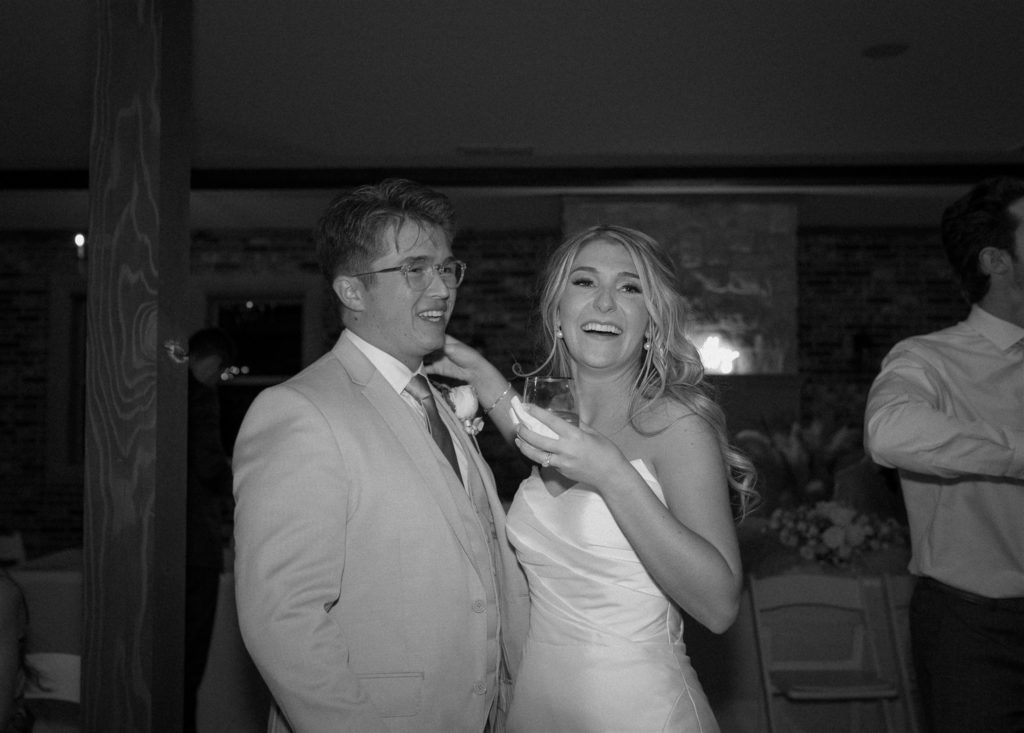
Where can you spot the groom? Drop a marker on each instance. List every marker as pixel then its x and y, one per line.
pixel 375 587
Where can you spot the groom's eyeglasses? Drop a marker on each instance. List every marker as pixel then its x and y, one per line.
pixel 419 274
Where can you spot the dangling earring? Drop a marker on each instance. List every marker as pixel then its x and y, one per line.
pixel 647 342
pixel 558 332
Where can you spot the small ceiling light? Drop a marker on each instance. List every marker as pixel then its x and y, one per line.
pixel 879 51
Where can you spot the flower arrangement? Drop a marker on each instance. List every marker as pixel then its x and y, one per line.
pixel 462 399
pixel 833 533
pixel 797 464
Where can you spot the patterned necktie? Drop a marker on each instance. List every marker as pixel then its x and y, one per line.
pixel 420 390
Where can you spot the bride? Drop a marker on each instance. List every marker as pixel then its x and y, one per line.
pixel 627 518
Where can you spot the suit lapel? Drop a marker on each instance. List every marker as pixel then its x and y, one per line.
pixel 437 479
pixel 478 469
pixel 478 473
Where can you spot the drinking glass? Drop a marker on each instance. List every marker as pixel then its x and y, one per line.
pixel 554 394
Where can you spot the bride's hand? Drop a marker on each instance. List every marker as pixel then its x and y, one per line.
pixel 581 454
pixel 465 364
pixel 458 361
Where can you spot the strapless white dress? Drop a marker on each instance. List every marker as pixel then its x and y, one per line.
pixel 605 650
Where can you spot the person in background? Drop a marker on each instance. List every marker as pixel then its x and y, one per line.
pixel 375 588
pixel 947 411
pixel 14 715
pixel 210 353
pixel 629 516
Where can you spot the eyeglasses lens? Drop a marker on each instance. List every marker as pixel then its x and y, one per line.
pixel 451 275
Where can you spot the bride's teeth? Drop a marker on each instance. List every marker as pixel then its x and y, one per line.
pixel 602 328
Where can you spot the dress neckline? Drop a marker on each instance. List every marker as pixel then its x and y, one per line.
pixel 638 463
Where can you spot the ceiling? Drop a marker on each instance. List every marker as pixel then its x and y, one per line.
pixel 860 108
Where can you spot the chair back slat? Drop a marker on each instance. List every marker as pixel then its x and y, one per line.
pixel 817 639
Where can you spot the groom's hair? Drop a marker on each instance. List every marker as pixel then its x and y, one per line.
pixel 350 234
pixel 980 218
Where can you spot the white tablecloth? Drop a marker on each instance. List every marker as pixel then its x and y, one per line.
pixel 232 697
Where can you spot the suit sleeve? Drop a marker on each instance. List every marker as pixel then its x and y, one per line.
pixel 906 427
pixel 291 495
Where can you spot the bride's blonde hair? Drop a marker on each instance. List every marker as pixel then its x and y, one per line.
pixel 670 366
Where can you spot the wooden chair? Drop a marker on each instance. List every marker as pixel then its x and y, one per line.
pixel 819 655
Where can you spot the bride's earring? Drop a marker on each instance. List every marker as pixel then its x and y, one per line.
pixel 558 332
pixel 647 342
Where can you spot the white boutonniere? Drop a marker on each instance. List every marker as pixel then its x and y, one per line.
pixel 465 405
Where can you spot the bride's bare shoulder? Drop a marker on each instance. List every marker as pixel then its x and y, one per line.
pixel 666 414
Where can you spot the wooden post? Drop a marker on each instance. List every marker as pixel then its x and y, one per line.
pixel 134 514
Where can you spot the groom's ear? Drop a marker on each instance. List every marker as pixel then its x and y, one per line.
pixel 995 261
pixel 350 291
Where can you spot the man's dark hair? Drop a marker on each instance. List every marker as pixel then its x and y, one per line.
pixel 348 235
pixel 979 219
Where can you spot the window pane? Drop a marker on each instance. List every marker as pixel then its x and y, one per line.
pixel 266 332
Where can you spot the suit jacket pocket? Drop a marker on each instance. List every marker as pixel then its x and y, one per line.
pixel 394 694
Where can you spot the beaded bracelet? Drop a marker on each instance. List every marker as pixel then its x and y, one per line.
pixel 487 410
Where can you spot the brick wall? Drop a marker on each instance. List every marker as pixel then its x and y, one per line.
pixel 49 513
pixel 858 292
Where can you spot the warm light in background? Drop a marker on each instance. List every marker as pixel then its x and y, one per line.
pixel 80 244
pixel 718 355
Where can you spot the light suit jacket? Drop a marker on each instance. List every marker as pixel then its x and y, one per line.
pixel 366 582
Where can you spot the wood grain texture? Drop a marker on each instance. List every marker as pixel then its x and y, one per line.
pixel 135 422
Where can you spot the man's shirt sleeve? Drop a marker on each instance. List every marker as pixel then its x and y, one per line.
pixel 906 427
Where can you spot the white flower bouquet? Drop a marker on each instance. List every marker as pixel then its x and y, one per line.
pixel 833 533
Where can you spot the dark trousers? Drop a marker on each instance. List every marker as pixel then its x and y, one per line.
pixel 969 660
pixel 201 587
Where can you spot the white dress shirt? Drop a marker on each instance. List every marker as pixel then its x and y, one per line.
pixel 947 410
pixel 398 375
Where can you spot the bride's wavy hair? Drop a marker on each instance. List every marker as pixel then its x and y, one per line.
pixel 670 365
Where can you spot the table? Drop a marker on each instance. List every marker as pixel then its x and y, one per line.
pixel 232 697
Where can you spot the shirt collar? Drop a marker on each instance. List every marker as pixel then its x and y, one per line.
pixel 1001 333
pixel 395 372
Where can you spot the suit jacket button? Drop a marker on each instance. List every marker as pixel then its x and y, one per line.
pixel 480 687
pixel 479 606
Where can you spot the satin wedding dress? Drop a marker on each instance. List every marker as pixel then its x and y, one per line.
pixel 605 652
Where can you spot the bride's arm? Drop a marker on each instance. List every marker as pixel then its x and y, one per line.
pixel 689 547
pixel 492 389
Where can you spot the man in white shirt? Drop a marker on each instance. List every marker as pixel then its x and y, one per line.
pixel 376 590
pixel 947 411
